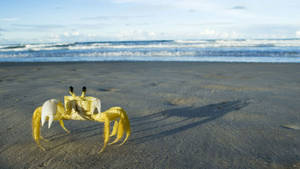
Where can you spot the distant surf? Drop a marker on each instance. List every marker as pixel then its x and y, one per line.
pixel 215 50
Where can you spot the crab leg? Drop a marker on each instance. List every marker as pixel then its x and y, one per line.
pixel 123 126
pixel 42 138
pixel 115 129
pixel 63 126
pixel 106 132
pixel 36 123
pixel 109 115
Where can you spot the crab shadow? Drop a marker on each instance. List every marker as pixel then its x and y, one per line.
pixel 173 121
pixel 75 135
pixel 160 124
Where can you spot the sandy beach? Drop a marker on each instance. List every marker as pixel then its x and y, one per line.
pixel 183 115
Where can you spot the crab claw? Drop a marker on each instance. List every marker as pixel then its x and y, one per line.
pixel 97 105
pixel 49 109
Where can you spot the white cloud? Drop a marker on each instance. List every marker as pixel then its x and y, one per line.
pixel 74 36
pixel 75 33
pixel 140 34
pixel 136 35
pixel 91 35
pixel 208 32
pixel 201 34
pixel 9 19
pixel 71 34
pixel 66 34
pixel 53 38
pixel 298 34
pixel 211 33
pixel 182 4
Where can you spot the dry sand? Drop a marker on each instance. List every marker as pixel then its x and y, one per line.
pixel 183 115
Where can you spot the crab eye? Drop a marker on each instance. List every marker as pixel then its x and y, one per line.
pixel 84 89
pixel 71 89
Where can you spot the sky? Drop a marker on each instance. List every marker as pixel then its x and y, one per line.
pixel 43 21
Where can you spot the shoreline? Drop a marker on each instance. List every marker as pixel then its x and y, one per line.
pixel 168 62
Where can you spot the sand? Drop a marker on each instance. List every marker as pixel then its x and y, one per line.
pixel 183 115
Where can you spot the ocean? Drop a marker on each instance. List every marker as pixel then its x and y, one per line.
pixel 217 50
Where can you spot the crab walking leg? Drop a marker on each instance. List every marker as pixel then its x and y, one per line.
pixel 106 118
pixel 36 122
pixel 124 125
pixel 42 138
pixel 106 132
pixel 127 126
pixel 63 126
pixel 112 114
pixel 120 132
pixel 115 129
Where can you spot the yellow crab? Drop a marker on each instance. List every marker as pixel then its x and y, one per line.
pixel 81 108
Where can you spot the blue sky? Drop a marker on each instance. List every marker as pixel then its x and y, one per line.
pixel 24 21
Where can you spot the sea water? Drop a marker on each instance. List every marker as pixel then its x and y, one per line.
pixel 216 50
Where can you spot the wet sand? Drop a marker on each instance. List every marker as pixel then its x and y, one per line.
pixel 183 115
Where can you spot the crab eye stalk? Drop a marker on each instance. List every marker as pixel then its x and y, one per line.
pixel 71 90
pixel 83 91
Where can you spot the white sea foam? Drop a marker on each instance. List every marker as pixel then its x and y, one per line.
pixel 157 45
pixel 153 58
pixel 242 43
pixel 179 50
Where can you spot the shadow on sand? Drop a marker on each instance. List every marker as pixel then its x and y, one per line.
pixel 187 118
pixel 161 124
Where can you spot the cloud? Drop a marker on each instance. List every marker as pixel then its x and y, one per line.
pixel 34 27
pixel 71 34
pixel 139 34
pixel 209 32
pixel 9 19
pixel 189 5
pixel 298 34
pixel 206 24
pixel 111 17
pixel 38 26
pixel 239 7
pixel 136 35
pixel 91 35
pixel 179 4
pixel 213 34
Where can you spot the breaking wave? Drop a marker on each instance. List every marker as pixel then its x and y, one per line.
pixel 242 50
